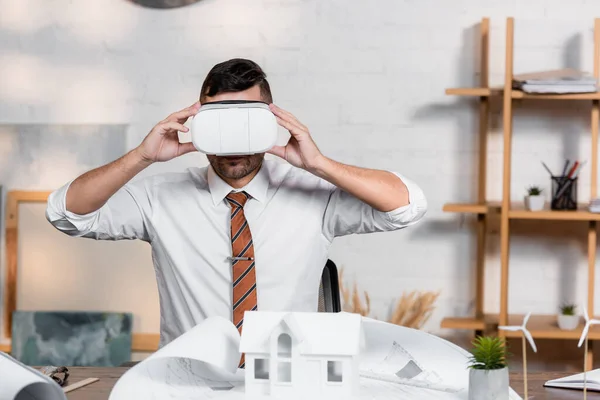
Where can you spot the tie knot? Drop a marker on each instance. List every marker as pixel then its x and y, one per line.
pixel 237 199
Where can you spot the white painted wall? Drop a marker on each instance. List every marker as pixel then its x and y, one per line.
pixel 368 78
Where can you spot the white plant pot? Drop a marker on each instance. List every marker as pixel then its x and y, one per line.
pixel 568 322
pixel 534 203
pixel 488 384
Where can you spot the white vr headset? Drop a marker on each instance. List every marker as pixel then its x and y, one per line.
pixel 234 127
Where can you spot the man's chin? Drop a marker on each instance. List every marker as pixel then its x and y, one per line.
pixel 235 166
pixel 234 171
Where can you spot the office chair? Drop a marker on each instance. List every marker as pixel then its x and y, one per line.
pixel 329 289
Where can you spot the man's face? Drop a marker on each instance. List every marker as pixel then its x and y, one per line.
pixel 236 167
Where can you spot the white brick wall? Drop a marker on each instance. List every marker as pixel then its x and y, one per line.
pixel 368 78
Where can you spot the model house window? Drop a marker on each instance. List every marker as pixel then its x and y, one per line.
pixel 284 358
pixel 284 371
pixel 334 371
pixel 261 369
pixel 284 345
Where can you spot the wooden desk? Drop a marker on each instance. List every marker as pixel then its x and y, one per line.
pixel 97 390
pixel 108 377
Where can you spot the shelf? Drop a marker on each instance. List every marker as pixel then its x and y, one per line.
pixel 475 92
pixel 582 214
pixel 486 94
pixel 473 208
pixel 517 94
pixel 545 327
pixel 518 211
pixel 470 323
pixel 540 326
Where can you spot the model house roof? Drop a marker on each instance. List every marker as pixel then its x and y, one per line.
pixel 318 333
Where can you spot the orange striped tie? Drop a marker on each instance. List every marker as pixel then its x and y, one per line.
pixel 244 274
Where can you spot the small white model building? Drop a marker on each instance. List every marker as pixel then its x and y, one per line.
pixel 296 355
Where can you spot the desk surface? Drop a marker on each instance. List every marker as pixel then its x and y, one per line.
pixel 108 377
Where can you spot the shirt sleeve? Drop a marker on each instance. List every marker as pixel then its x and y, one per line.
pixel 345 214
pixel 126 215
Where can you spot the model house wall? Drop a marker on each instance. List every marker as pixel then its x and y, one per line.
pixel 287 357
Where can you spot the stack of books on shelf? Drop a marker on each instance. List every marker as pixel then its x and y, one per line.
pixel 595 205
pixel 556 81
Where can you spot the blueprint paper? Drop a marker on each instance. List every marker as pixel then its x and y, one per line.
pixel 398 362
pixel 201 364
pixel 394 353
pixel 20 381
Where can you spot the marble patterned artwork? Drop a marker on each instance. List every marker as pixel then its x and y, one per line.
pixel 71 338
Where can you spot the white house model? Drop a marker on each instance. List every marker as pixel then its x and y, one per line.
pixel 296 355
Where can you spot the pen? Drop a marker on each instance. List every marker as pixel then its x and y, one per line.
pixel 564 177
pixel 578 169
pixel 572 174
pixel 547 169
pixel 573 168
pixel 565 167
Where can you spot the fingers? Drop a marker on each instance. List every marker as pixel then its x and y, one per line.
pixel 185 148
pixel 278 151
pixel 172 126
pixel 182 115
pixel 294 129
pixel 280 112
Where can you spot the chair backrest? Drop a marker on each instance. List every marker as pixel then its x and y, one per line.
pixel 329 289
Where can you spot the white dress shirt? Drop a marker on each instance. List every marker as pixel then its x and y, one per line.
pixel 293 218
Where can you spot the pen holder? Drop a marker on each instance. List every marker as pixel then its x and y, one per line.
pixel 564 193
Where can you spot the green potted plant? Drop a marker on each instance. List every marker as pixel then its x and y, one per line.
pixel 567 319
pixel 488 369
pixel 534 201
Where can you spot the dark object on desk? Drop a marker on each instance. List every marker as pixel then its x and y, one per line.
pixel 58 374
pixel 564 193
pixel 163 4
pixel 329 295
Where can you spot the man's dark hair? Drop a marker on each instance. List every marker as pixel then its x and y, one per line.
pixel 235 75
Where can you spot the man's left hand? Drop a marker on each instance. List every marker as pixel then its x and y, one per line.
pixel 301 151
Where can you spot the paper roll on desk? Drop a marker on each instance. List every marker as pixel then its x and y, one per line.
pixel 196 365
pixel 397 362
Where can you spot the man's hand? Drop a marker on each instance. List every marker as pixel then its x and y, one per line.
pixel 382 190
pixel 301 151
pixel 162 143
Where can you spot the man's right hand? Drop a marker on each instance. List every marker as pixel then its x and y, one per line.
pixel 162 143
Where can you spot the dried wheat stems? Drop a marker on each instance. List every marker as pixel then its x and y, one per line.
pixel 411 309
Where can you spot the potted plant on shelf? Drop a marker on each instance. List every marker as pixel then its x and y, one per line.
pixel 567 319
pixel 488 369
pixel 534 201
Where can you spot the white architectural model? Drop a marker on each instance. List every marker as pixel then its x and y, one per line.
pixel 584 337
pixel 301 355
pixel 526 335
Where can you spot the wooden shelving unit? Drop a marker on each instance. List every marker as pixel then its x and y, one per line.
pixel 540 326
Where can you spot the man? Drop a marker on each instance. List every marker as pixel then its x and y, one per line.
pixel 282 217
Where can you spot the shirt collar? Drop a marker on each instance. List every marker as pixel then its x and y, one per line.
pixel 256 188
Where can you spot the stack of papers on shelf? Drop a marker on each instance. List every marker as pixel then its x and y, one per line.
pixel 595 205
pixel 556 81
pixel 576 381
